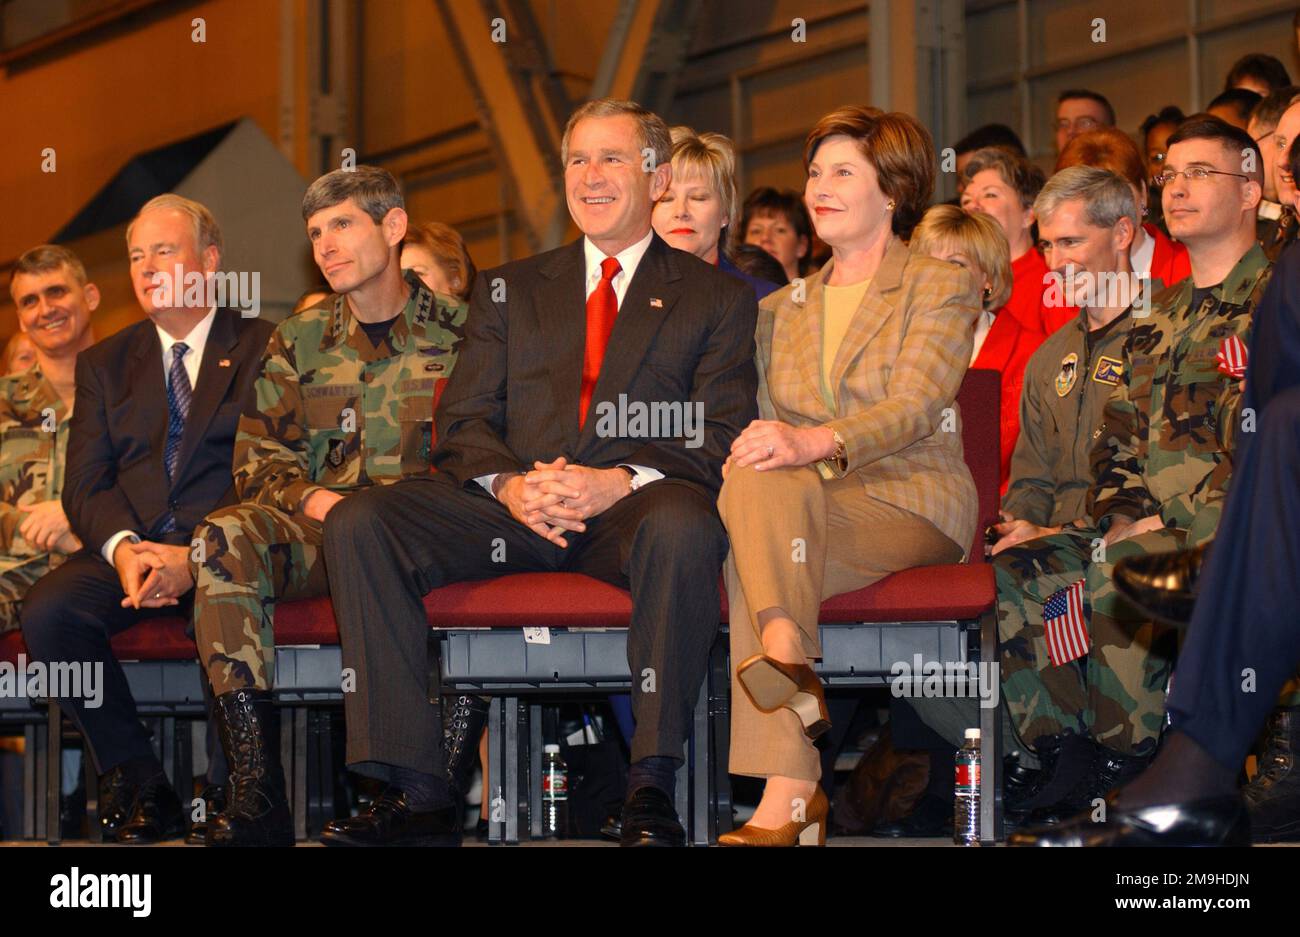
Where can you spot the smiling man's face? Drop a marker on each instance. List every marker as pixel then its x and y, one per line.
pixel 610 195
pixel 53 309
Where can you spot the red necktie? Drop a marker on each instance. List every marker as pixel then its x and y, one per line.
pixel 602 308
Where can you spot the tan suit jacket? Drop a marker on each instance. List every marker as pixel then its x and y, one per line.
pixel 895 379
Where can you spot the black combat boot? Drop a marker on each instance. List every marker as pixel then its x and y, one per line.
pixel 1110 770
pixel 1273 795
pixel 463 720
pixel 257 808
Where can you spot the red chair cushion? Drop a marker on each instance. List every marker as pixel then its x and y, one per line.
pixel 155 639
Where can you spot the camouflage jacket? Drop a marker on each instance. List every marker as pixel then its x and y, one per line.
pixel 1167 431
pixel 33 447
pixel 335 411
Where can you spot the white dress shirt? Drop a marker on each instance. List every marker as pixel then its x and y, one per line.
pixel 195 342
pixel 1140 259
pixel 628 260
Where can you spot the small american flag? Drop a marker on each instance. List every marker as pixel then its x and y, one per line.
pixel 1232 357
pixel 1064 626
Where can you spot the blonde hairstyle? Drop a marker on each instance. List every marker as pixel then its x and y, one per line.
pixel 977 236
pixel 448 249
pixel 712 157
pixel 206 232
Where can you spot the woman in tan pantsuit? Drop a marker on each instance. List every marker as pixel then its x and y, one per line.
pixel 855 468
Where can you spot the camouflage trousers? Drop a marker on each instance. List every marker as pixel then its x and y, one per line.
pixel 1116 692
pixel 15 582
pixel 251 557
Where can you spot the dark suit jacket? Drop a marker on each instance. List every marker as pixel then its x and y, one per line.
pixel 684 333
pixel 115 479
pixel 1273 365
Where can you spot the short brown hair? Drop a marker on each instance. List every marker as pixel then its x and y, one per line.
pixel 1106 148
pixel 46 258
pixel 1234 141
pixel 896 145
pixel 1017 172
pixel 375 191
pixel 977 236
pixel 448 249
pixel 207 233
pixel 652 129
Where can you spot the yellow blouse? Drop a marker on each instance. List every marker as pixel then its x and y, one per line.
pixel 838 306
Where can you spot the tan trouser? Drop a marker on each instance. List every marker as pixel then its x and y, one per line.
pixel 795 540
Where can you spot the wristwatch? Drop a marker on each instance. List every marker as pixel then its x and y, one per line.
pixel 839 459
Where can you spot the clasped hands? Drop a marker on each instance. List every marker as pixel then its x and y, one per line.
pixel 556 497
pixel 153 575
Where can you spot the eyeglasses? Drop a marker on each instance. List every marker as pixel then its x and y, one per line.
pixel 1195 174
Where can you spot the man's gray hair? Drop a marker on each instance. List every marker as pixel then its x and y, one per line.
pixel 375 191
pixel 1106 197
pixel 652 130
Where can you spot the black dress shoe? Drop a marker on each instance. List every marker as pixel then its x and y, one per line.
pixel 1273 794
pixel 930 817
pixel 258 812
pixel 649 819
pixel 1221 821
pixel 155 816
pixel 116 800
pixel 390 821
pixel 214 801
pixel 1164 585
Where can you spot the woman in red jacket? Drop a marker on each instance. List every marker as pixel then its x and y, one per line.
pixel 1152 253
pixel 1003 187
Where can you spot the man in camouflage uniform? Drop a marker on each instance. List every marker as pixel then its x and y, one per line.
pixel 1161 464
pixel 344 401
pixel 54 304
pixel 1086 220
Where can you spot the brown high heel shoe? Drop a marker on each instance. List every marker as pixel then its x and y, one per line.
pixel 810 832
pixel 772 684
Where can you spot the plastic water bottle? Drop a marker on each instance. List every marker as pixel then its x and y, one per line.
pixel 555 794
pixel 966 806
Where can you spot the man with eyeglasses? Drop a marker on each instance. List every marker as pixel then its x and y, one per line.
pixel 1165 454
pixel 1078 111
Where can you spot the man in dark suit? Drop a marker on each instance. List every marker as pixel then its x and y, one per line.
pixel 149 454
pixel 1243 642
pixel 536 472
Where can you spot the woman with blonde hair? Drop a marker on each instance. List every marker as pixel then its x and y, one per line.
pixel 698 212
pixel 848 459
pixel 976 243
pixel 1003 342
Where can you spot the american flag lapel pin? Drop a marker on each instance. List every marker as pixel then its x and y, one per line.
pixel 223 363
pixel 656 302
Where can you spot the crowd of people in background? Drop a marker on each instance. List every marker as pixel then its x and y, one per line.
pixel 825 330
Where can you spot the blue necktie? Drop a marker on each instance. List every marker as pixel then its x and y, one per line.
pixel 179 396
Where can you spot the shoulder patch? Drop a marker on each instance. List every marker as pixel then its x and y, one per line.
pixel 1108 370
